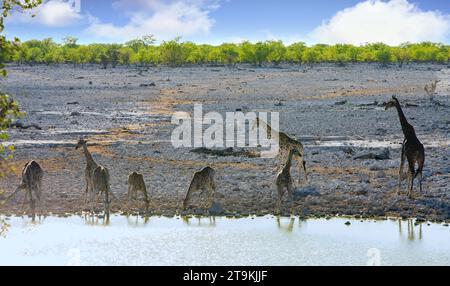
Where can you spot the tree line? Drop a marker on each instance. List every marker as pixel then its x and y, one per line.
pixel 144 52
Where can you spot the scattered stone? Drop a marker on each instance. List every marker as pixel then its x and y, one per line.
pixel 305 192
pixel 342 102
pixel 420 219
pixel 348 150
pixel 380 132
pixel 375 103
pixel 147 84
pixel 75 113
pixel 361 192
pixel 20 125
pixel 383 155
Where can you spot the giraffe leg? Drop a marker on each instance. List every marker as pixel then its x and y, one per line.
pixel 290 190
pixel 191 189
pixel 212 190
pixel 86 191
pixel 280 198
pixel 25 200
pixel 304 169
pixel 400 171
pixel 300 163
pixel 129 196
pixel 32 201
pixel 420 181
pixel 420 170
pixel 411 179
pixel 92 200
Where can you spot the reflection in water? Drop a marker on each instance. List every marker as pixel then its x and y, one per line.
pixel 3 227
pixel 412 229
pixel 287 228
pixel 242 241
pixel 137 220
pixel 211 221
pixel 91 219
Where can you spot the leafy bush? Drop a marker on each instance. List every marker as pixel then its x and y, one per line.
pixel 176 53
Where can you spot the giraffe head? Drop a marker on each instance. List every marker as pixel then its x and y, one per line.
pixel 81 143
pixel 392 103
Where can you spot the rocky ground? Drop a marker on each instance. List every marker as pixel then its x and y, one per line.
pixel 337 112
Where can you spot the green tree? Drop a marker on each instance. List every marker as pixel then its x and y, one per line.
pixel 295 52
pixel 172 52
pixel 8 107
pixel 310 56
pixel 125 55
pixel 247 52
pixel 277 52
pixel 262 51
pixel 229 53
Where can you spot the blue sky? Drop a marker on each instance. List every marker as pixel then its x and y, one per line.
pixel 216 21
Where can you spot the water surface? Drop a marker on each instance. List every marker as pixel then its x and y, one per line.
pixel 222 241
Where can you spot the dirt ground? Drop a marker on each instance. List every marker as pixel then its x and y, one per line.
pixel 337 112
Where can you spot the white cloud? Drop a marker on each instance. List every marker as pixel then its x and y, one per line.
pixel 52 13
pixel 164 19
pixel 393 22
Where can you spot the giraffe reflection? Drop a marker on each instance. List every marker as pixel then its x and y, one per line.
pixel 200 221
pixel 289 227
pixel 137 220
pixel 91 219
pixel 414 230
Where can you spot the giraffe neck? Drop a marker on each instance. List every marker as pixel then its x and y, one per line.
pixel 407 128
pixel 267 127
pixel 89 159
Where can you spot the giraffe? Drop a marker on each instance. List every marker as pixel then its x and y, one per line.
pixel 412 149
pixel 100 186
pixel 32 175
pixel 136 184
pixel 202 181
pixel 91 165
pixel 286 144
pixel 284 180
pixel 431 88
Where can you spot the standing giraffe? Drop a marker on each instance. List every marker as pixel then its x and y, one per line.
pixel 286 144
pixel 412 149
pixel 136 184
pixel 32 175
pixel 430 88
pixel 91 165
pixel 100 186
pixel 202 181
pixel 284 180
